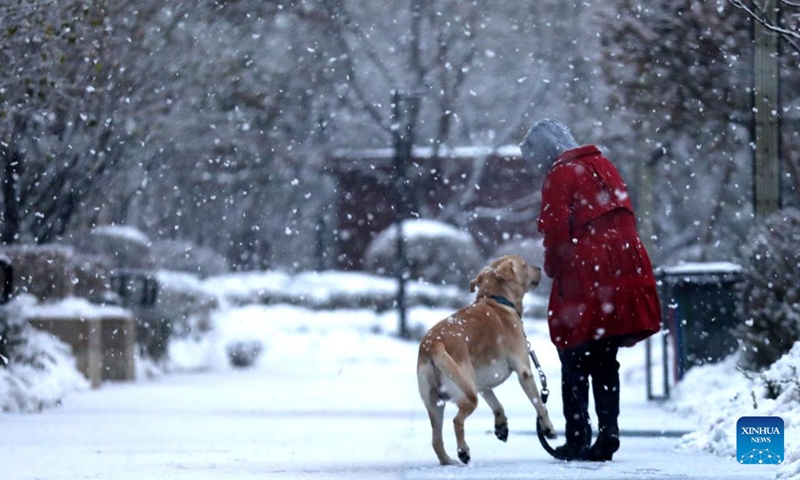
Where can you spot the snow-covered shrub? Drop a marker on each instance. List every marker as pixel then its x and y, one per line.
pixel 125 247
pixel 11 338
pixel 732 394
pixel 44 271
pixel 181 311
pixel 184 303
pixel 186 257
pixel 436 253
pixel 244 353
pixel 330 290
pixel 38 369
pixel 770 293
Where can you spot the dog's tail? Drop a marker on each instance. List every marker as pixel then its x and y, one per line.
pixel 445 363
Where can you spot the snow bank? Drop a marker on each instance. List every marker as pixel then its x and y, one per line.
pixel 719 394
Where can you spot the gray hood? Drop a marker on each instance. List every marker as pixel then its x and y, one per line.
pixel 545 141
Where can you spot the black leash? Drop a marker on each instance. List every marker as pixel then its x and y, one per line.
pixel 545 392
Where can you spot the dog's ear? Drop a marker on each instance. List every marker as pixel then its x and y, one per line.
pixel 476 281
pixel 506 271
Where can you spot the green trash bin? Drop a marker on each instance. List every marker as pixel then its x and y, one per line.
pixel 699 305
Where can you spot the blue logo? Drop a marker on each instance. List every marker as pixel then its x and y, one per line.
pixel 759 440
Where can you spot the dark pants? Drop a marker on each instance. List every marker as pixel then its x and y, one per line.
pixel 596 359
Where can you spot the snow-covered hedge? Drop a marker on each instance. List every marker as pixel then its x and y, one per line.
pixel 329 290
pixel 124 246
pixel 44 271
pixel 436 252
pixel 38 370
pixel 185 303
pixel 770 293
pixel 189 258
pixel 735 393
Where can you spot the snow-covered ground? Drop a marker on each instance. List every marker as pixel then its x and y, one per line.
pixel 333 395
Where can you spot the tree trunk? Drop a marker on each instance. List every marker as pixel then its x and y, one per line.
pixel 11 159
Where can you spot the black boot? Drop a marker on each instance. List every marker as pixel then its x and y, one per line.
pixel 604 447
pixel 575 395
pixel 577 446
pixel 605 389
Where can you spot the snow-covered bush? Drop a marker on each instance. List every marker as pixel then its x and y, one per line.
pixel 436 253
pixel 330 290
pixel 243 353
pixel 770 293
pixel 182 311
pixel 36 369
pixel 184 303
pixel 44 271
pixel 125 247
pixel 734 393
pixel 11 337
pixel 186 257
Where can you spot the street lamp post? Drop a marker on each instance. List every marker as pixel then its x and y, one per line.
pixel 402 126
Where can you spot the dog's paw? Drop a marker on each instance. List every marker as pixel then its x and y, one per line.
pixel 501 431
pixel 547 428
pixel 463 455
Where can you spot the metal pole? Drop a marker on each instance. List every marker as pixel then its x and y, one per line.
pixel 401 263
pixel 402 126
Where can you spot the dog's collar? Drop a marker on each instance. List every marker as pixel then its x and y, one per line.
pixel 506 302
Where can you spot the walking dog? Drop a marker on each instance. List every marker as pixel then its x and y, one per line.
pixel 475 350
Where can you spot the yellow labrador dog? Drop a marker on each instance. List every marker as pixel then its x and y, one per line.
pixel 476 349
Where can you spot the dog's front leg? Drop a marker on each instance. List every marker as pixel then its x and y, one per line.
pixel 525 377
pixel 500 420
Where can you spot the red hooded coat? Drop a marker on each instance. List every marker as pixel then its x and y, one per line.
pixel 603 283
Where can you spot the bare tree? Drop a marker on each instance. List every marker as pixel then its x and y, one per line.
pixel 675 64
pixel 62 137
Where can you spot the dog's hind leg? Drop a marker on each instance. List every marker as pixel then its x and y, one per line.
pixel 429 387
pixel 466 398
pixel 500 420
pixel 436 416
pixel 465 408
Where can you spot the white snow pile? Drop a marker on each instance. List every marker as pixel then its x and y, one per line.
pixel 42 370
pixel 718 394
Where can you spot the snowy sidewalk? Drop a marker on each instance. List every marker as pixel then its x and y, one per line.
pixel 327 401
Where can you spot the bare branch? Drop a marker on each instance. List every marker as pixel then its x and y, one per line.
pixel 792 37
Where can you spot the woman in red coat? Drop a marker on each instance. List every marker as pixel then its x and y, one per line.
pixel 604 292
